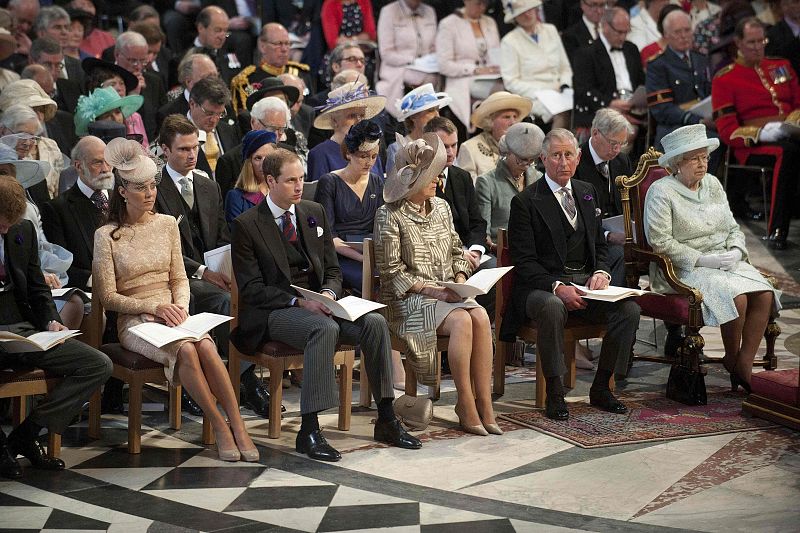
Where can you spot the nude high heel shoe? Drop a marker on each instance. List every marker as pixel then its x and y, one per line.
pixel 475 430
pixel 229 454
pixel 249 456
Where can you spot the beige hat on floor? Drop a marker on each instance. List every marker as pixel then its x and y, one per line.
pixel 416 164
pixel 500 101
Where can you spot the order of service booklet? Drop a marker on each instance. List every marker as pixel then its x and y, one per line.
pixel 38 342
pixel 193 328
pixel 348 308
pixel 479 283
pixel 611 293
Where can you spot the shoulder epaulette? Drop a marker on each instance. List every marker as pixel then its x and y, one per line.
pixel 656 56
pixel 301 66
pixel 241 77
pixel 724 70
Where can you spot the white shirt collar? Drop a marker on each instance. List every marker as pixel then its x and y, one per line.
pixel 277 212
pixel 177 177
pixel 596 158
pixel 605 43
pixel 88 191
pixel 594 30
pixel 555 186
pixel 186 95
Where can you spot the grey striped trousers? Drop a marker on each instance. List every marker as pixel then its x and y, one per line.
pixel 318 336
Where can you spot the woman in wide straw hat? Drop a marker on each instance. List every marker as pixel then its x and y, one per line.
pixel 687 218
pixel 416 246
pixel 494 116
pixel 138 272
pixel 345 106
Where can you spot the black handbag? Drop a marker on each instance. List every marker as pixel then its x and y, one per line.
pixel 686 386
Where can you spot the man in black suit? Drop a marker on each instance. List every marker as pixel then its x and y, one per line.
pixel 26 307
pixel 606 73
pixel 556 239
pixel 54 22
pixel 783 39
pixel 283 241
pixel 587 30
pixel 132 54
pixel 47 53
pixel 195 200
pixel 191 69
pixel 241 21
pixel 212 31
pixel 208 102
pixel 71 219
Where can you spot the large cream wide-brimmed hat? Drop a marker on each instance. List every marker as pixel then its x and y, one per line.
pixel 416 164
pixel 500 101
pixel 685 140
pixel 515 8
pixel 348 96
pixel 28 92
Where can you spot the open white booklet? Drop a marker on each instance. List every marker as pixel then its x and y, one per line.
pixel 193 328
pixel 219 260
pixel 612 293
pixel 479 283
pixel 348 308
pixel 38 342
pixel 67 292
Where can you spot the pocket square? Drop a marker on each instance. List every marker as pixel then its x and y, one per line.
pixel 597 212
pixel 319 231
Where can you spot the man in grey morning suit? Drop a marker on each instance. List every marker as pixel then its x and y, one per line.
pixel 285 241
pixel 556 238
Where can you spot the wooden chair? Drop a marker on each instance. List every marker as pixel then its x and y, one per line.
pixel 135 370
pixel 277 357
pixel 19 382
pixel 575 330
pixel 684 306
pixel 369 287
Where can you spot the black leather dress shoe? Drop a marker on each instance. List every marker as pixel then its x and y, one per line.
pixel 392 432
pixel 606 401
pixel 777 240
pixel 32 450
pixel 112 401
pixel 254 395
pixel 9 467
pixel 315 446
pixel 189 405
pixel 555 408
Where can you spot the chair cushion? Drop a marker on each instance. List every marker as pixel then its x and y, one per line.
pixel 778 385
pixel 672 308
pixel 20 373
pixel 127 359
pixel 278 349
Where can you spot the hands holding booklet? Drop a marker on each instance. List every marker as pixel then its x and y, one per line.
pixel 479 283
pixel 193 328
pixel 348 308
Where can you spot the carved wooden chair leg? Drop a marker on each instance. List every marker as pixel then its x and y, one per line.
pixel 541 383
pixel 94 415
pixel 276 399
pixel 771 334
pixel 346 391
pixel 54 444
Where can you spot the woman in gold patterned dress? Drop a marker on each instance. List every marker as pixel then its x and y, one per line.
pixel 416 246
pixel 138 272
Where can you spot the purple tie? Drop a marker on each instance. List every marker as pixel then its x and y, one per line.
pixel 100 201
pixel 289 230
pixel 2 272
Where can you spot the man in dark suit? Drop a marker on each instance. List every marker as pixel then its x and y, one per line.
pixel 587 30
pixel 556 239
pixel 285 241
pixel 47 53
pixel 606 73
pixel 26 307
pixel 53 22
pixel 212 31
pixel 194 199
pixel 208 101
pixel 783 39
pixel 191 69
pixel 132 54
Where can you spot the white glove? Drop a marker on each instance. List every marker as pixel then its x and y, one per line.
pixel 772 132
pixel 729 259
pixel 710 261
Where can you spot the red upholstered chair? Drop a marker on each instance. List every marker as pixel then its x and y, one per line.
pixel 684 306
pixel 576 329
pixel 775 396
pixel 277 357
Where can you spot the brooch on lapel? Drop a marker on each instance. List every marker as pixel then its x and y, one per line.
pixel 312 223
pixel 588 197
pixel 18 238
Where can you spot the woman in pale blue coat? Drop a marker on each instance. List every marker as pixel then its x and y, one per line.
pixel 687 217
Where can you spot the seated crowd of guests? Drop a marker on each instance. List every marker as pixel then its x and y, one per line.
pixel 123 160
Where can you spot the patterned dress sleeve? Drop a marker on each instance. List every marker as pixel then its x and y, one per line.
pixel 178 282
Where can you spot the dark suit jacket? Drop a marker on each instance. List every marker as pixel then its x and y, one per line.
pixel 70 221
pixel 460 194
pixel 593 78
pixel 587 171
pixel 538 243
pixel 155 97
pixel 75 71
pixel 575 37
pixel 228 168
pixel 783 43
pixel 304 119
pixel 228 137
pixel 67 94
pixel 213 227
pixel 165 60
pixel 262 269
pixel 179 106
pixel 61 128
pixel 31 293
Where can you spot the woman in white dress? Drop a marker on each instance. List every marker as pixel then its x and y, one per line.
pixel 687 217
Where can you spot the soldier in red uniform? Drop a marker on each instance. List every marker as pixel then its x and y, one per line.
pixel 752 100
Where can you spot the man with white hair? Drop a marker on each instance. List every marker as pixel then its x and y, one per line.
pixel 191 69
pixel 54 22
pixel 71 218
pixel 269 114
pixel 132 54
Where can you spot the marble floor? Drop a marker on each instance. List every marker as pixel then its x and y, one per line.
pixel 521 481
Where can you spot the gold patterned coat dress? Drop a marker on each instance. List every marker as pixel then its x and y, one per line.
pixel 410 248
pixel 136 273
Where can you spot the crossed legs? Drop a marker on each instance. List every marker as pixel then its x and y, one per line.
pixel 741 336
pixel 470 354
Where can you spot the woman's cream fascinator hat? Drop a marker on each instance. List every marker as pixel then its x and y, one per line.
pixel 132 163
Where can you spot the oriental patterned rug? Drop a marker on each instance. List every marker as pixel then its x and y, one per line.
pixel 649 419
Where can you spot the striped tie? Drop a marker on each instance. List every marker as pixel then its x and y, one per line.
pixel 289 230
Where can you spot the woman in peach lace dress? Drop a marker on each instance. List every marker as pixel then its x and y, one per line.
pixel 138 271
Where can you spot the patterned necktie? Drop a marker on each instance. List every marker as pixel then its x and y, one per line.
pixel 289 230
pixel 100 201
pixel 211 149
pixel 2 272
pixel 568 202
pixel 603 169
pixel 187 192
pixel 687 60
